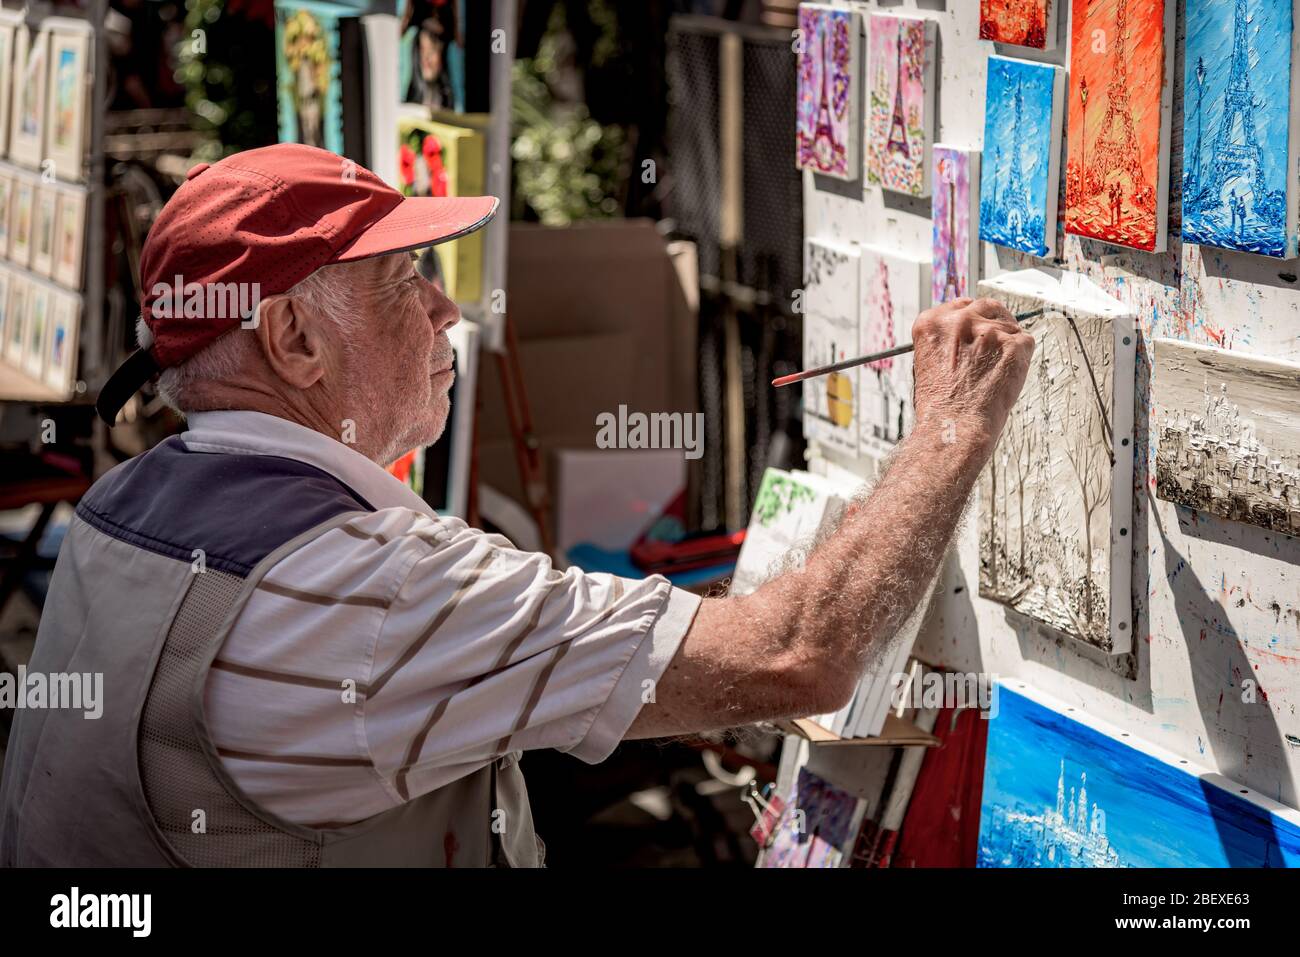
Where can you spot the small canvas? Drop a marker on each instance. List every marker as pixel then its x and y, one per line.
pixel 10 23
pixel 27 116
pixel 16 319
pixel 1239 126
pixel 1227 429
pixel 954 214
pixel 70 238
pixel 830 334
pixel 829 105
pixel 900 123
pixel 1020 166
pixel 895 290
pixel 1121 77
pixel 6 203
pixel 1056 496
pixel 817 826
pixel 1065 789
pixel 6 277
pixel 43 214
pixel 38 319
pixel 1026 23
pixel 66 122
pixel 20 221
pixel 791 511
pixel 61 342
pixel 320 77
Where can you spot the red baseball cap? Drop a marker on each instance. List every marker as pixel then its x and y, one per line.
pixel 264 220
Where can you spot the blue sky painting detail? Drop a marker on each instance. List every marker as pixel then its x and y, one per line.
pixel 1058 793
pixel 1018 176
pixel 1236 120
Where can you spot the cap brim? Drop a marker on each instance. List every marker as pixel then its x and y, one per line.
pixel 419 221
pixel 138 369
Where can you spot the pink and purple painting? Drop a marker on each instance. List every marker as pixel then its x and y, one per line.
pixel 829 99
pixel 900 123
pixel 955 208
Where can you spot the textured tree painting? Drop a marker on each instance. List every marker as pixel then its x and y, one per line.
pixel 1237 117
pixel 900 123
pixel 1116 175
pixel 1021 161
pixel 1026 23
pixel 894 291
pixel 1045 496
pixel 954 208
pixel 830 334
pixel 829 97
pixel 1228 434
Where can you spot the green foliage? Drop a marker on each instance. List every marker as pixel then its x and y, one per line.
pixel 777 495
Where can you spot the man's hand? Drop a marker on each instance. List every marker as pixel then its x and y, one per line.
pixel 970 364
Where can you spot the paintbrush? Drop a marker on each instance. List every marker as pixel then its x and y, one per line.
pixel 873 357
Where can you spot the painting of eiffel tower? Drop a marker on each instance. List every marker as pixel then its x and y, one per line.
pixel 895 290
pixel 1026 23
pixel 1022 116
pixel 1235 186
pixel 900 121
pixel 955 261
pixel 829 94
pixel 1118 149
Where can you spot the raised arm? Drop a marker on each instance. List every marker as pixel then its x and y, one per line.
pixel 798 644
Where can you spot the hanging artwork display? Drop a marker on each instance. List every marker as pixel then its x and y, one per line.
pixel 42 260
pixel 900 122
pixel 320 71
pixel 61 342
pixel 10 24
pixel 1238 114
pixel 38 317
pixel 894 292
pixel 1020 166
pixel 20 221
pixel 830 334
pixel 16 319
pixel 1063 789
pixel 27 112
pixel 6 277
pixel 1056 496
pixel 816 826
pixel 6 202
pixel 67 129
pixel 1227 428
pixel 827 117
pixel 954 214
pixel 70 238
pixel 1121 75
pixel 1026 23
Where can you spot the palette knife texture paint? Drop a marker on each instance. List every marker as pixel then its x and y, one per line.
pixel 1026 23
pixel 1021 161
pixel 1238 126
pixel 894 291
pixel 1064 790
pixel 1056 496
pixel 1228 433
pixel 829 95
pixel 1117 172
pixel 954 213
pixel 900 122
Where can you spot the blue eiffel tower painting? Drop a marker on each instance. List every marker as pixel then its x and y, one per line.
pixel 1022 133
pixel 1236 123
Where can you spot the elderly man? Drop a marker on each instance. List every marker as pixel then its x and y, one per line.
pixel 303 665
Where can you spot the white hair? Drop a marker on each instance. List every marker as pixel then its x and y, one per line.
pixel 328 291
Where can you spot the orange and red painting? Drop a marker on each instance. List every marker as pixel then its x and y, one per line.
pixel 1026 23
pixel 1116 177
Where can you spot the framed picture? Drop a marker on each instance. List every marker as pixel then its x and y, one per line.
pixel 6 199
pixel 69 78
pixel 43 230
pixel 10 24
pixel 6 278
pixel 38 320
pixel 20 221
pixel 61 341
pixel 16 319
pixel 70 238
pixel 27 121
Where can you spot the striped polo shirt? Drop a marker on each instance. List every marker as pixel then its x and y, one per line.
pixel 402 650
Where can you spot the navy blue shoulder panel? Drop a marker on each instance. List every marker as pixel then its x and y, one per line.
pixel 237 508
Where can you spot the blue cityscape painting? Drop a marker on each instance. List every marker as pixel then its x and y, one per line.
pixel 1236 121
pixel 1022 136
pixel 1058 793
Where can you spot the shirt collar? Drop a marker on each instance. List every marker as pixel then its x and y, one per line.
pixel 256 433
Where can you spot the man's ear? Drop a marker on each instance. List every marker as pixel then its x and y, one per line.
pixel 291 341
